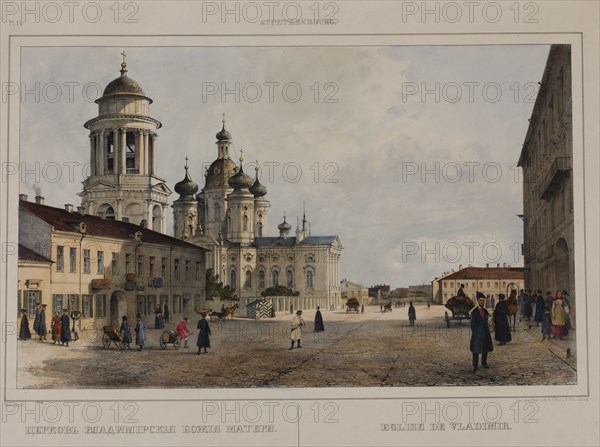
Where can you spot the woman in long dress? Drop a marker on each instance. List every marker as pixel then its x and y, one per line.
pixel 319 325
pixel 24 332
pixel 502 327
pixel 559 317
pixel 140 327
pixel 56 328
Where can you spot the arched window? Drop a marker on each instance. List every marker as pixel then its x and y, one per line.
pixel 275 278
pixel 260 229
pixel 232 279
pixel 309 279
pixel 261 279
pixel 248 284
pixel 217 212
pixel 290 279
pixel 245 223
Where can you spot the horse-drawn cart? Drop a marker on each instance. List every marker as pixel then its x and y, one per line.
pixel 461 307
pixel 352 305
pixel 112 335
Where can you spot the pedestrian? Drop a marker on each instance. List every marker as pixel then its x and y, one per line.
pixel 527 312
pixel 540 307
pixel 546 323
pixel 296 334
pixel 412 314
pixel 520 302
pixel 24 332
pixel 488 303
pixel 203 334
pixel 319 326
pixel 140 327
pixel 559 317
pixel 125 331
pixel 166 313
pixel 42 330
pixel 36 321
pixel 362 308
pixel 549 299
pixel 493 302
pixel 461 292
pixel 65 324
pixel 567 304
pixel 183 331
pixel 501 325
pixel 481 339
pixel 159 321
pixel 428 304
pixel 76 317
pixel 56 329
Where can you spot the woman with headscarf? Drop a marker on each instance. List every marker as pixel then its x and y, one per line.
pixel 319 326
pixel 56 328
pixel 501 325
pixel 24 332
pixel 559 317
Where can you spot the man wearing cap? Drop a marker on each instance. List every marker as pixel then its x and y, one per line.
pixel 140 327
pixel 481 339
pixel 297 323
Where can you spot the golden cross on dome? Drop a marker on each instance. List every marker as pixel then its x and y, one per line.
pixel 186 162
pixel 241 154
pixel 124 55
pixel 223 119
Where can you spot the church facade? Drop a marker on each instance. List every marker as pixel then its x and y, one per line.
pixel 230 217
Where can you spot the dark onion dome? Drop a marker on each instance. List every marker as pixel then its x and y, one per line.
pixel 241 180
pixel 257 188
pixel 223 135
pixel 284 226
pixel 186 188
pixel 124 85
pixel 219 172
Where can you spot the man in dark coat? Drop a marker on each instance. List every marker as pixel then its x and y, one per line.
pixel 481 340
pixel 203 334
pixel 41 326
pixel 461 292
pixel 65 328
pixel 540 307
pixel 319 326
pixel 502 331
pixel 36 322
pixel 166 313
pixel 412 314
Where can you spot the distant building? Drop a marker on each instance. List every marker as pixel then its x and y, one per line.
pixel 103 268
pixel 546 159
pixel 354 290
pixel 487 280
pixel 380 290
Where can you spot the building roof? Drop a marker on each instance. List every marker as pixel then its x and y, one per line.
pixel 355 284
pixel 488 273
pixel 26 254
pixel 290 241
pixel 62 220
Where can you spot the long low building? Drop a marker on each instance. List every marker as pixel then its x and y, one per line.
pixel 487 280
pixel 104 268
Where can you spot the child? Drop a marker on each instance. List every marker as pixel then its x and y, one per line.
pixel 546 324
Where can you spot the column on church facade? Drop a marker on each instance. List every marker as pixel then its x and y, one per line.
pixel 123 151
pixel 116 160
pixel 100 152
pixel 147 157
pixel 137 160
pixel 153 153
pixel 119 210
pixel 93 154
pixel 149 207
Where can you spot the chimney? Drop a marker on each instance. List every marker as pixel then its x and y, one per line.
pixel 23 197
pixel 68 207
pixel 504 264
pixel 39 200
pixel 498 265
pixel 144 223
pixel 459 266
pixel 81 209
pixel 487 266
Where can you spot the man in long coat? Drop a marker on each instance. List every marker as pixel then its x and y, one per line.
pixel 502 327
pixel 42 330
pixel 65 328
pixel 36 321
pixel 166 313
pixel 140 327
pixel 297 323
pixel 203 334
pixel 481 340
pixel 540 307
pixel 319 326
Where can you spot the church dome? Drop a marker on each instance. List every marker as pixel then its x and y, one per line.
pixel 186 188
pixel 124 85
pixel 284 226
pixel 258 189
pixel 241 180
pixel 219 172
pixel 223 135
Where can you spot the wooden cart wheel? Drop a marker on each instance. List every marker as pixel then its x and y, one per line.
pixel 106 341
pixel 177 343
pixel 162 343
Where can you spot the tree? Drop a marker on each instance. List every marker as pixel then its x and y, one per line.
pixel 279 291
pixel 215 288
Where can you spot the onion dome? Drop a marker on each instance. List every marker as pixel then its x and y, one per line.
pixel 186 188
pixel 257 188
pixel 284 226
pixel 241 180
pixel 223 135
pixel 124 85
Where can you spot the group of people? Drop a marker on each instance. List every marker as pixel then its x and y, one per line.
pixel 64 328
pixel 550 312
pixel 182 330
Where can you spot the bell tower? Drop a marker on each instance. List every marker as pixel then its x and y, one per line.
pixel 122 184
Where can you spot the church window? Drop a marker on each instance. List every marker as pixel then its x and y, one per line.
pixel 309 279
pixel 261 279
pixel 260 229
pixel 60 250
pixel 130 153
pixel 151 269
pixel 176 269
pixel 187 268
pixel 110 153
pixel 245 223
pixel 275 278
pixel 232 279
pixel 290 279
pixel 114 263
pixel 248 279
pixel 72 259
pixel 140 266
pixel 86 260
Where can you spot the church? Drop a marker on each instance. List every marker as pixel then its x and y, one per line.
pixel 229 217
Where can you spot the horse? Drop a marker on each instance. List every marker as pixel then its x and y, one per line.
pixel 513 309
pixel 229 311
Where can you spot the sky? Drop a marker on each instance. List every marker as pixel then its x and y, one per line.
pixel 407 153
